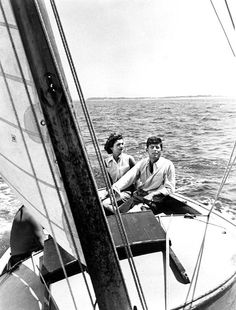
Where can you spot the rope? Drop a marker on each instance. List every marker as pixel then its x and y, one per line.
pixel 99 156
pixel 47 289
pixel 63 207
pixel 230 15
pixel 201 250
pixel 196 271
pixel 81 97
pixel 223 28
pixel 23 138
pixel 44 282
pixel 229 166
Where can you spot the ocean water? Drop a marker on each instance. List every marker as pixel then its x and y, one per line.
pixel 198 137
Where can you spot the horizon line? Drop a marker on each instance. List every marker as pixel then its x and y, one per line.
pixel 152 97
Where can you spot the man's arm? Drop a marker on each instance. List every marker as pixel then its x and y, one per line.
pixel 127 179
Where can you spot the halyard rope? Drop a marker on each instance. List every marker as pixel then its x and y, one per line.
pixel 196 272
pixel 100 159
pixel 23 139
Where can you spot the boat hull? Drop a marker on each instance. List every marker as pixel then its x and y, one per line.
pixel 21 288
pixel 28 291
pixel 215 289
pixel 222 298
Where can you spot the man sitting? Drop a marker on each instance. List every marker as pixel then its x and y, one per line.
pixel 155 175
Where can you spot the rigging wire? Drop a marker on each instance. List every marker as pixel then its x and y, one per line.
pixel 47 289
pixel 230 15
pixel 62 204
pixel 44 282
pixel 68 99
pixel 229 166
pixel 193 283
pixel 82 100
pixel 63 85
pixel 223 28
pixel 23 138
pixel 99 156
pixel 105 169
pixel 201 250
pixel 196 271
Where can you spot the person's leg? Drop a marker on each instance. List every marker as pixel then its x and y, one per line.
pixel 124 196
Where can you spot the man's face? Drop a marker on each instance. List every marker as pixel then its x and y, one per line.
pixel 154 152
pixel 118 147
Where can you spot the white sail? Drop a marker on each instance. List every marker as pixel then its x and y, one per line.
pixel 23 157
pixel 166 253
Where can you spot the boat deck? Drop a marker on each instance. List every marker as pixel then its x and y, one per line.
pixel 186 234
pixel 160 285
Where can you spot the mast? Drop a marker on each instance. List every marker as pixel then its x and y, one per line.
pixel 99 251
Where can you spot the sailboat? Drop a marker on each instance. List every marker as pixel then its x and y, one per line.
pixel 184 258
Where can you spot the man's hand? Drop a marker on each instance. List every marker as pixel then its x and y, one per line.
pixel 103 194
pixel 154 203
pixel 158 198
pixel 138 196
pixel 141 192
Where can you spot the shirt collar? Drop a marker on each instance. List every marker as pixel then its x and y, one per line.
pixel 156 162
pixel 111 158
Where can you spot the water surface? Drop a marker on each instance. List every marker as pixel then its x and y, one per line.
pixel 198 136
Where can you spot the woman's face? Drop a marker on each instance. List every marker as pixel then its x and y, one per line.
pixel 118 147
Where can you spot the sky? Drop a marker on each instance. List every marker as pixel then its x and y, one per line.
pixel 150 48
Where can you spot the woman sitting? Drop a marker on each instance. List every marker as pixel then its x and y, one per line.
pixel 117 164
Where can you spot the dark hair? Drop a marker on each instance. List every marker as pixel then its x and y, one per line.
pixel 111 141
pixel 154 140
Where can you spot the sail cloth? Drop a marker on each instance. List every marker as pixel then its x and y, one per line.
pixel 27 161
